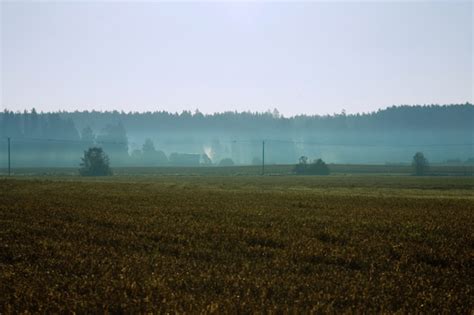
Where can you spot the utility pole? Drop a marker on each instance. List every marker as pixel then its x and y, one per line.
pixel 9 164
pixel 263 157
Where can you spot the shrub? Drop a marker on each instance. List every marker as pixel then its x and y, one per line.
pixel 420 164
pixel 95 163
pixel 317 167
pixel 302 165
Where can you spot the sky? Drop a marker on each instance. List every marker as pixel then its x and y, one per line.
pixel 301 58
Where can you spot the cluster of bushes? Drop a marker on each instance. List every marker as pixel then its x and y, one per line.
pixel 316 167
pixel 319 167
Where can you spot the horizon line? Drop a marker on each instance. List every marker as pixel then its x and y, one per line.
pixel 196 111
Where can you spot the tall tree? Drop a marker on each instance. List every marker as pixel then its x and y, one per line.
pixel 420 164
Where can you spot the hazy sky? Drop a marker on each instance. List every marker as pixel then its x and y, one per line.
pixel 309 57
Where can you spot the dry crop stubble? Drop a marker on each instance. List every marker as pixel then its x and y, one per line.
pixel 237 243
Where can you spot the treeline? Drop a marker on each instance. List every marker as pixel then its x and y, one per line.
pixel 47 139
pixel 34 125
pixel 439 117
pixel 454 116
pixel 163 138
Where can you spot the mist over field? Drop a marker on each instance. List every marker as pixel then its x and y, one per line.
pixel 236 157
pixel 444 133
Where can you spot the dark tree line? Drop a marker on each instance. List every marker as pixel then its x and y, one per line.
pixel 456 116
pixel 67 124
pixel 34 125
pixel 163 138
pixel 47 139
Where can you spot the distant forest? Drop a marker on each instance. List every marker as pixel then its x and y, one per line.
pixel 392 135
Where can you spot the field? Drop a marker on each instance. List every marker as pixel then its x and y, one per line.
pixel 280 169
pixel 341 243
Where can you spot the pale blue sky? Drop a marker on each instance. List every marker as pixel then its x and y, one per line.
pixel 310 57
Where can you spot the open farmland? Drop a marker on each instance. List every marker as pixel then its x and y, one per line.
pixel 237 243
pixel 249 170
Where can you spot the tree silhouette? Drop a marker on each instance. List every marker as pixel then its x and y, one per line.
pixel 420 164
pixel 302 165
pixel 317 167
pixel 95 163
pixel 148 147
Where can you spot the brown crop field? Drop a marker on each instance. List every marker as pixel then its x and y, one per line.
pixel 193 244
